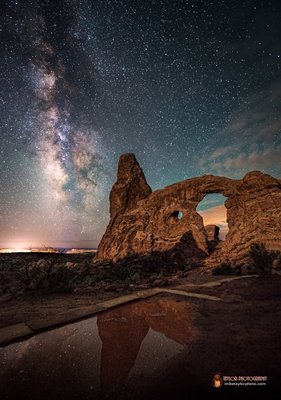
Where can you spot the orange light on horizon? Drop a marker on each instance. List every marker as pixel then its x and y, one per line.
pixel 15 250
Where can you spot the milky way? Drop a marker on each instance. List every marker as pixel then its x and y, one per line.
pixel 191 87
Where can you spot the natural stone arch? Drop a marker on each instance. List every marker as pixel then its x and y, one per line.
pixel 138 223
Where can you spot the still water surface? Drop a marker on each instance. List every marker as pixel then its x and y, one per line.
pixel 113 355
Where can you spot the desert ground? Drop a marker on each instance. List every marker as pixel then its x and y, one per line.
pixel 236 319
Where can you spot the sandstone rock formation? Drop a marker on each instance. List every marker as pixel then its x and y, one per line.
pixel 212 232
pixel 130 187
pixel 166 220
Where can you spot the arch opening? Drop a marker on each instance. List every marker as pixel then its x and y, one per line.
pixel 214 213
pixel 177 215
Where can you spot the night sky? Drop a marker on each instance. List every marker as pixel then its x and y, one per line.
pixel 190 87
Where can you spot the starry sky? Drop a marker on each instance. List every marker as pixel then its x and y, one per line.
pixel 191 87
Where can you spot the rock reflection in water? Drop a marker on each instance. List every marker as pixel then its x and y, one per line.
pixel 98 355
pixel 123 330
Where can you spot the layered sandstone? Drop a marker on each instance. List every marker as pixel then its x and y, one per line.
pixel 166 220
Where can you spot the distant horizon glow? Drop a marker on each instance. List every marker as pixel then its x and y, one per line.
pixel 43 250
pixel 14 244
pixel 14 250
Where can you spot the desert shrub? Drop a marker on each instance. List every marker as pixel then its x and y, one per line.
pixel 224 268
pixel 61 279
pixel 186 265
pixel 45 276
pixel 262 259
pixel 121 273
pixel 260 256
pixel 88 280
pixel 135 277
pixel 34 274
pixel 277 260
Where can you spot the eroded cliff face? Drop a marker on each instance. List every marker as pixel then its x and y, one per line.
pixel 166 220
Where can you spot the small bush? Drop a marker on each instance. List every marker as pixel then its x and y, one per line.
pixel 44 276
pixel 187 265
pixel 263 259
pixel 61 279
pixel 224 268
pixel 276 264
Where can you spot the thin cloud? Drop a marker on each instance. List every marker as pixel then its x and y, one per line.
pixel 252 138
pixel 252 161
